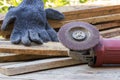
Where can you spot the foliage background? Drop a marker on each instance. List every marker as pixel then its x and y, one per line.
pixel 5 4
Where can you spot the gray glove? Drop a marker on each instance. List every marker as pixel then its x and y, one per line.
pixel 30 23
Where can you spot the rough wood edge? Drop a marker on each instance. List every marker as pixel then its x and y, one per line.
pixel 37 65
pixel 110 33
pixel 49 49
pixel 9 78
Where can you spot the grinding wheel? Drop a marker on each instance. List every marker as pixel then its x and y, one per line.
pixel 79 36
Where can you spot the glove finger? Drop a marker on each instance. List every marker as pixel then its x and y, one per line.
pixel 25 39
pixel 44 36
pixel 35 37
pixel 53 34
pixel 53 14
pixel 15 38
pixel 9 18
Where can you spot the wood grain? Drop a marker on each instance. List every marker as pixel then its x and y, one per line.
pixel 9 57
pixel 8 78
pixel 92 20
pixel 37 65
pixel 110 33
pixel 107 25
pixel 49 49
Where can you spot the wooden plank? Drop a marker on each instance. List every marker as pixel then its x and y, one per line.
pixel 92 20
pixel 89 5
pixel 77 14
pixel 8 78
pixel 89 8
pixel 80 14
pixel 107 25
pixel 9 57
pixel 79 72
pixel 49 49
pixel 117 37
pixel 37 65
pixel 110 33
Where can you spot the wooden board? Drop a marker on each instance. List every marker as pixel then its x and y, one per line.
pixel 78 72
pixel 92 20
pixel 7 78
pixel 49 49
pixel 80 11
pixel 9 57
pixel 37 65
pixel 107 25
pixel 110 33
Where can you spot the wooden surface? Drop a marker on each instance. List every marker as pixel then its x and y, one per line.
pixel 107 25
pixel 37 65
pixel 79 72
pixel 81 12
pixel 12 57
pixel 111 32
pixel 6 78
pixel 49 49
pixel 92 20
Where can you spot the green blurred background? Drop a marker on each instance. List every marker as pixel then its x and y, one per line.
pixel 5 4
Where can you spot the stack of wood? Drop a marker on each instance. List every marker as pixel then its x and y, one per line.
pixel 52 54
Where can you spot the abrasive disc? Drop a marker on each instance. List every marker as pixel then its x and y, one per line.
pixel 79 36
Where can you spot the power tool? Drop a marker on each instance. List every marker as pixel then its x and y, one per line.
pixel 86 44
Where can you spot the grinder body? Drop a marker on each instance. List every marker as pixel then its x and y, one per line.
pixel 107 52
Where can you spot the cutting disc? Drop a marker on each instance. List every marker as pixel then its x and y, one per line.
pixel 79 36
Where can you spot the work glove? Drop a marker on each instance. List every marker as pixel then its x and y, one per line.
pixel 30 23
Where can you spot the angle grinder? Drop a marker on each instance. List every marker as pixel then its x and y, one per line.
pixel 86 44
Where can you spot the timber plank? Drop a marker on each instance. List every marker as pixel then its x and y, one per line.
pixel 8 78
pixel 110 33
pixel 37 65
pixel 72 15
pixel 9 57
pixel 49 49
pixel 92 20
pixel 78 72
pixel 107 25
